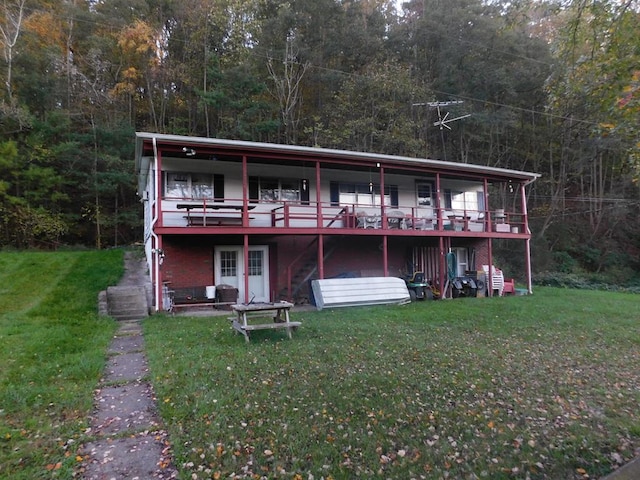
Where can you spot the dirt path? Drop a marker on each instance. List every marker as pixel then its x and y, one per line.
pixel 127 440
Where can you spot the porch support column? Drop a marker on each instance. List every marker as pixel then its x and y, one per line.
pixel 320 222
pixel 385 256
pixel 383 215
pixel 488 228
pixel 383 207
pixel 487 216
pixel 245 222
pixel 490 272
pixel 441 275
pixel 525 218
pixel 321 256
pixel 245 193
pixel 245 252
pixel 438 204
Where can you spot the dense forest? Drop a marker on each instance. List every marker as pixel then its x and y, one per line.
pixel 551 87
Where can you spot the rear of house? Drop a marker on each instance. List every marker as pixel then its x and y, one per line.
pixel 262 220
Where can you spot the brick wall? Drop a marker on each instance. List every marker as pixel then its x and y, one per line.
pixel 188 262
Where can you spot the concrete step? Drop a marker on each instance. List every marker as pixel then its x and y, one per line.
pixel 127 303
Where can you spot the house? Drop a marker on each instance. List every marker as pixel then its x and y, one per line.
pixel 265 219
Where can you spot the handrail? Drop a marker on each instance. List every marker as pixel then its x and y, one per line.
pixel 289 214
pixel 296 260
pixel 341 212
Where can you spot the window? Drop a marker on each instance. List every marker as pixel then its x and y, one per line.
pixel 424 194
pixel 363 194
pixel 177 185
pixel 266 189
pixel 255 262
pixel 462 260
pixel 458 200
pixel 201 186
pixel 228 263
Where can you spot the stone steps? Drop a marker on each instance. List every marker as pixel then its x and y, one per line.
pixel 127 303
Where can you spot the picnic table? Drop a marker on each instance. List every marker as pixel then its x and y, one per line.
pixel 276 312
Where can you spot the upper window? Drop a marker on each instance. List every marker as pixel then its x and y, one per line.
pixel 267 189
pixel 472 201
pixel 424 193
pixel 363 194
pixel 189 185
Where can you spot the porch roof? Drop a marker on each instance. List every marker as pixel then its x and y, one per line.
pixel 180 145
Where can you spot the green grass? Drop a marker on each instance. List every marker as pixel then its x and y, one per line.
pixel 544 386
pixel 52 354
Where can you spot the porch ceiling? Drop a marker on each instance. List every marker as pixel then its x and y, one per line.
pixel 208 148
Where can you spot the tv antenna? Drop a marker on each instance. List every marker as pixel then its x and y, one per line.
pixel 443 121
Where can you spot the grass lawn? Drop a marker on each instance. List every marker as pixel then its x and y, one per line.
pixel 545 386
pixel 52 353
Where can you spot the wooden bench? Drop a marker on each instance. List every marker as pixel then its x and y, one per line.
pixel 180 306
pixel 212 220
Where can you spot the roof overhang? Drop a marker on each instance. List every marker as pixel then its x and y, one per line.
pixel 210 146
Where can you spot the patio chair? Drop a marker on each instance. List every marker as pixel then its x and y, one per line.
pixel 367 221
pixel 395 219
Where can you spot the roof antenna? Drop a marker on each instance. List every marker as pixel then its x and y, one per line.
pixel 443 121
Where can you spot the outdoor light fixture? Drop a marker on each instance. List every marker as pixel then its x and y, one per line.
pixel 189 151
pixel 160 253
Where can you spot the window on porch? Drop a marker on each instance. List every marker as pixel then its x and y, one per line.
pixel 265 189
pixel 459 200
pixel 196 186
pixel 363 194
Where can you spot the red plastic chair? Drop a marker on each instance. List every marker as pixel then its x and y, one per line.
pixel 509 286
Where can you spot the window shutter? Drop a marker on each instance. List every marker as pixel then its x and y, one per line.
pixel 447 198
pixel 254 184
pixel 393 193
pixel 334 191
pixel 304 191
pixel 218 187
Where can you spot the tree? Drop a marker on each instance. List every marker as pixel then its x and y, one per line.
pixel 596 142
pixel 372 112
pixel 287 89
pixel 10 24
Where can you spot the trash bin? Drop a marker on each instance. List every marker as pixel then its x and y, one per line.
pixel 226 294
pixel 211 292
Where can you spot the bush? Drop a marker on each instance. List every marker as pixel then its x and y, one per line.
pixel 582 281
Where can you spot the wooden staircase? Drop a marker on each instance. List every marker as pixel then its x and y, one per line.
pixel 305 268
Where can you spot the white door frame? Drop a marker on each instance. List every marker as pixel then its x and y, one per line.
pixel 261 290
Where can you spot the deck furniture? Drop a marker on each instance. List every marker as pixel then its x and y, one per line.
pixel 226 215
pixel 276 312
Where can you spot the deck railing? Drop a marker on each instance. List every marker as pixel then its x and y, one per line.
pixel 296 215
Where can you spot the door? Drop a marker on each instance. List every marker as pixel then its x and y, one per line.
pixel 230 270
pixel 424 199
pixel 462 260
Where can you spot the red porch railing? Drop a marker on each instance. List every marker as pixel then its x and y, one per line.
pixel 286 215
